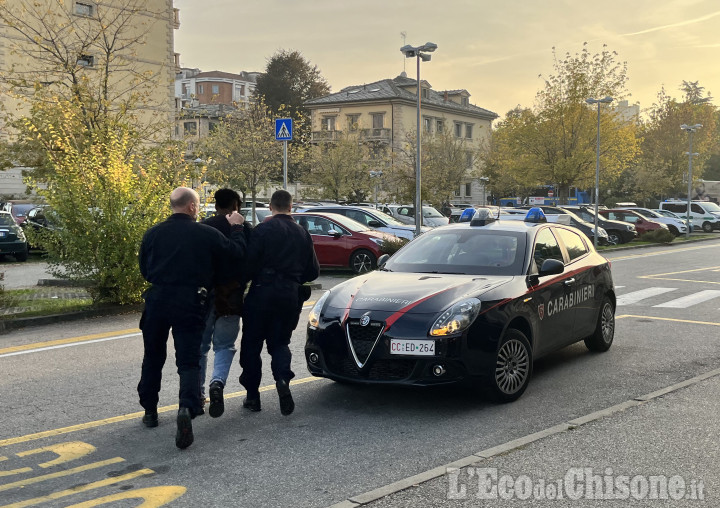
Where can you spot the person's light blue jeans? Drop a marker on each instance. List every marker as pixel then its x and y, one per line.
pixel 221 332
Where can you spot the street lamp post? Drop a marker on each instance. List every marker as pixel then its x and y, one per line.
pixel 420 53
pixel 376 174
pixel 605 100
pixel 484 180
pixel 690 129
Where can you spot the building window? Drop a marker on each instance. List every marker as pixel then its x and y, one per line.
pixel 215 89
pixel 469 159
pixel 457 192
pixel 468 190
pixel 212 127
pixel 427 124
pixel 468 131
pixel 190 128
pixel 242 90
pixel 465 101
pixel 378 120
pixel 84 9
pixel 458 130
pixel 425 93
pixel 201 89
pixel 353 122
pixel 86 60
pixel 440 126
pixel 328 123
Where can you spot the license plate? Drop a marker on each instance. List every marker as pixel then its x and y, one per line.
pixel 412 347
pixel 3 234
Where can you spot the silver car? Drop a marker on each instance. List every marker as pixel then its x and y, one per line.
pixel 406 214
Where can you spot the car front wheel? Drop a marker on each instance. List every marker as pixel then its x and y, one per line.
pixel 362 261
pixel 707 227
pixel 602 338
pixel 512 369
pixel 614 237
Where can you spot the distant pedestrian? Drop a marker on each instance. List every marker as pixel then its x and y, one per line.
pixel 226 301
pixel 280 259
pixel 180 258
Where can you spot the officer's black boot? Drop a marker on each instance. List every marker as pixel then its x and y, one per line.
pixel 217 404
pixel 287 405
pixel 150 418
pixel 252 402
pixel 184 436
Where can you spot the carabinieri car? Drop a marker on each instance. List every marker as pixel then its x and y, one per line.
pixel 476 301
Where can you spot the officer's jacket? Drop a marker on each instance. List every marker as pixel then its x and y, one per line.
pixel 182 252
pixel 279 246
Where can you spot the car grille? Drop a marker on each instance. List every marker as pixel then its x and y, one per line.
pixel 362 338
pixel 391 370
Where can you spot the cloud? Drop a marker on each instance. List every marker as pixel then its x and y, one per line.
pixel 673 25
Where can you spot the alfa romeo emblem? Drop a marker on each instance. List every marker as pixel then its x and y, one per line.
pixel 541 310
pixel 365 319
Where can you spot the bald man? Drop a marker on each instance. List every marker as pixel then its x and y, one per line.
pixel 179 257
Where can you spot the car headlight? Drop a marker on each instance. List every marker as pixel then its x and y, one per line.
pixel 601 232
pixel 457 318
pixel 314 316
pixel 631 228
pixel 378 241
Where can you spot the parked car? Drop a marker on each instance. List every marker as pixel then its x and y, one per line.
pixel 618 232
pixel 19 209
pixel 260 215
pixel 676 225
pixel 553 213
pixel 370 217
pixel 703 214
pixel 642 224
pixel 406 214
pixel 343 242
pixel 12 238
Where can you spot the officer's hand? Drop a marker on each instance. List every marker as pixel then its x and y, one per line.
pixel 235 219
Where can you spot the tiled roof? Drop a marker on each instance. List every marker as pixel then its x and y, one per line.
pixel 244 76
pixel 387 89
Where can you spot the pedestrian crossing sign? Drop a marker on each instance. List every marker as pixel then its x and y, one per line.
pixel 283 129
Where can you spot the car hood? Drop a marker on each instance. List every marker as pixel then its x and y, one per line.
pixel 411 293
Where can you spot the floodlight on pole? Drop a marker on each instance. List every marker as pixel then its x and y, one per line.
pixel 604 100
pixel 690 129
pixel 419 53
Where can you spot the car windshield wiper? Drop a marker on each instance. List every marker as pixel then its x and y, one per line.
pixel 445 273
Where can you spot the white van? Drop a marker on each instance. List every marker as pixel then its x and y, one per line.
pixel 704 215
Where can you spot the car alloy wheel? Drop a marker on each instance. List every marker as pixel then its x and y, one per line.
pixel 707 227
pixel 362 261
pixel 614 238
pixel 604 334
pixel 513 366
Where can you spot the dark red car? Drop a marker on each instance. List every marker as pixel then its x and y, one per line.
pixel 642 224
pixel 343 242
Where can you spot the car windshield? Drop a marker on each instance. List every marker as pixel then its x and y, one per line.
pixel 648 213
pixel 386 218
pixel 469 251
pixel 711 207
pixel 667 214
pixel 6 220
pixel 20 210
pixel 262 213
pixel 429 211
pixel 348 223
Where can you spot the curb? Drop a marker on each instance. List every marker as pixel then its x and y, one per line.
pixel 14 324
pixel 515 444
pixel 64 283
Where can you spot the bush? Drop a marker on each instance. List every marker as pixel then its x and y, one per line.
pixel 391 246
pixel 658 236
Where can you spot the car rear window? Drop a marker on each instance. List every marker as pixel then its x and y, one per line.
pixel 6 220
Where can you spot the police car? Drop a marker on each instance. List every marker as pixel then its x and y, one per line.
pixel 475 301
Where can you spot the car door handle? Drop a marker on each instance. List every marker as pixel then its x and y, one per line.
pixel 569 282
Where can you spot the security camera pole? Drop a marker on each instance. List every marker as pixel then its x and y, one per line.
pixel 418 53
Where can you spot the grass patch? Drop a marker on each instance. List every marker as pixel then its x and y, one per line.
pixel 678 239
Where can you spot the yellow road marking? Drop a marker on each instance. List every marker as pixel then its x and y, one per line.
pixel 126 417
pixel 69 340
pixel 668 251
pixel 81 488
pixel 66 452
pixel 60 474
pixel 682 271
pixel 710 323
pixel 152 497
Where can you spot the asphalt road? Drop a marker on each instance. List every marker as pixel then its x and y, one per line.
pixel 75 403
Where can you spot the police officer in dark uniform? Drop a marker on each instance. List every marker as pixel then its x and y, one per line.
pixel 179 257
pixel 280 259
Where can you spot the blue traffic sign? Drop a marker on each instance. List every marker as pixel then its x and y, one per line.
pixel 283 129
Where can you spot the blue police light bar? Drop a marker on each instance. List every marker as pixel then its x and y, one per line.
pixel 467 215
pixel 535 215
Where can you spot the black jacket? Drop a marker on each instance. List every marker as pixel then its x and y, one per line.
pixel 182 252
pixel 279 246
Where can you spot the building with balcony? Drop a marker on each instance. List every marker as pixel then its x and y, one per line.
pixel 385 112
pixel 195 88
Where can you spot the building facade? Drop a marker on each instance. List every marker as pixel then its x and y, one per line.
pixel 385 112
pixel 196 88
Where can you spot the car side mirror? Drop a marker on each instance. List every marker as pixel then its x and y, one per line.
pixel 551 267
pixel 335 233
pixel 382 260
pixel 375 224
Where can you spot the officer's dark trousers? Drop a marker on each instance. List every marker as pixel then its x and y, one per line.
pixel 270 315
pixel 180 310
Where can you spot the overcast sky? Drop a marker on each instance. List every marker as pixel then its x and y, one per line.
pixel 494 49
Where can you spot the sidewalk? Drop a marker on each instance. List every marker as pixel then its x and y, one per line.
pixel 659 452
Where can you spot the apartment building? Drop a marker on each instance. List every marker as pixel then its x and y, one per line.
pixel 196 88
pixel 385 111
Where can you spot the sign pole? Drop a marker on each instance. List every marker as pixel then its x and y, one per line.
pixel 285 165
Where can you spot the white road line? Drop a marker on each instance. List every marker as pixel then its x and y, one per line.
pixel 642 294
pixel 71 344
pixel 619 287
pixel 693 299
